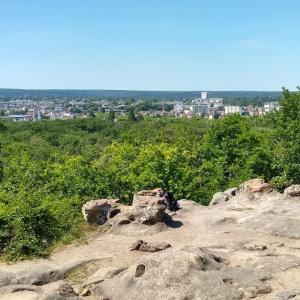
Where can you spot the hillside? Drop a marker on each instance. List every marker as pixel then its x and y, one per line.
pixel 244 248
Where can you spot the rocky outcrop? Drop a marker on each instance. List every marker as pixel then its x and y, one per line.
pixel 247 247
pixel 251 190
pixel 148 207
pixel 183 273
pixel 293 191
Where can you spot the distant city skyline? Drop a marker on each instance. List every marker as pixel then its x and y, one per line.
pixel 150 45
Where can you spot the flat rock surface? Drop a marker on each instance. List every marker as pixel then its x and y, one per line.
pixel 245 248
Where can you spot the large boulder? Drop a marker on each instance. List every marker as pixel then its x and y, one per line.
pixel 293 191
pixel 98 211
pixel 149 206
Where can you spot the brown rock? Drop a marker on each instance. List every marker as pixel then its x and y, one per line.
pixel 98 211
pixel 141 245
pixel 256 186
pixel 149 206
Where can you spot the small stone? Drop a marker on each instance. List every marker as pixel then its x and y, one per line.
pixel 148 247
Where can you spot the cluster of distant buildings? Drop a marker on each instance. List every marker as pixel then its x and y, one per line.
pixel 204 106
pixel 215 108
pixel 29 110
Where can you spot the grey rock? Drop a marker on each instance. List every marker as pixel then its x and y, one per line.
pixel 186 273
pixel 278 263
pixel 231 192
pixel 149 206
pixel 287 295
pixel 59 290
pixel 222 197
pixel 293 191
pixel 219 198
pixel 5 278
pixel 19 288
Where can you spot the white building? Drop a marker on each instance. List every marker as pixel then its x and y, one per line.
pixel 204 95
pixel 200 109
pixel 178 107
pixel 270 106
pixel 216 102
pixel 233 109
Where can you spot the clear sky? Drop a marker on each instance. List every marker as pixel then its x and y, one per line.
pixel 150 44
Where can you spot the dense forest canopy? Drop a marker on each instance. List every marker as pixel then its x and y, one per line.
pixel 50 168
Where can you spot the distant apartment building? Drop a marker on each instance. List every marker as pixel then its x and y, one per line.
pixel 178 108
pixel 202 109
pixel 216 102
pixel 233 109
pixel 270 107
pixel 18 118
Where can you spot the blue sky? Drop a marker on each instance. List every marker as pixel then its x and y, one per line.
pixel 150 45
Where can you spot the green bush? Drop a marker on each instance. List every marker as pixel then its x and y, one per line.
pixel 50 168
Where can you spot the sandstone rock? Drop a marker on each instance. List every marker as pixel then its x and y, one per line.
pixel 97 211
pixel 186 273
pixel 222 197
pixel 255 247
pixel 287 295
pixel 231 192
pixel 273 214
pixel 54 291
pixel 293 191
pixel 59 288
pixel 141 245
pixel 217 253
pixel 21 295
pixel 19 288
pixel 256 186
pixel 219 198
pixel 123 218
pixel 149 206
pixel 5 278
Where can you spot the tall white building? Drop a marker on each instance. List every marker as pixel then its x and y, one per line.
pixel 200 109
pixel 233 109
pixel 204 95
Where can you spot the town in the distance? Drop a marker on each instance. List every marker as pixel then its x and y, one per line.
pixel 205 105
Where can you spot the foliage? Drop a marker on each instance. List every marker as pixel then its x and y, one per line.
pixel 50 168
pixel 288 134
